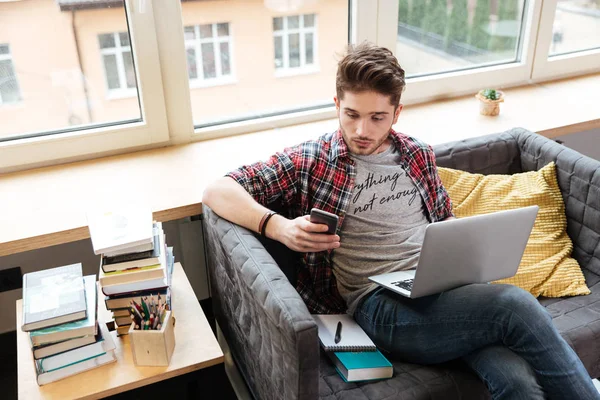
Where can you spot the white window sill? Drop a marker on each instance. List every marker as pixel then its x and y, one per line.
pixel 551 109
pixel 287 72
pixel 119 94
pixel 13 104
pixel 213 82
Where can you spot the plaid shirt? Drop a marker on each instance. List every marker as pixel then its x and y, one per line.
pixel 319 173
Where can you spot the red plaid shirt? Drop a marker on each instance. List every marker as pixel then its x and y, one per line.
pixel 319 173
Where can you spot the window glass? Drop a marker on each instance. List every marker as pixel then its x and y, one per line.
pixel 259 58
pixel 295 42
pixel 576 27
pixel 208 60
pixel 118 63
pixel 68 65
pixel 440 36
pixel 212 50
pixel 9 87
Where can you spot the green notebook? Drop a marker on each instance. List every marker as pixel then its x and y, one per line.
pixel 361 366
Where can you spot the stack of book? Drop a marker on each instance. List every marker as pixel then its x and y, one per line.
pixel 135 261
pixel 60 315
pixel 353 353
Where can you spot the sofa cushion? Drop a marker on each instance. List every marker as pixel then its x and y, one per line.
pixel 452 380
pixel 547 267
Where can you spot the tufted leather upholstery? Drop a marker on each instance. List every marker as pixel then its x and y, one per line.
pixel 274 340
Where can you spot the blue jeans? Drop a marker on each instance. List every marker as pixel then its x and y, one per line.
pixel 500 331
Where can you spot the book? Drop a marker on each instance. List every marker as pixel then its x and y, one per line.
pixel 122 301
pixel 123 312
pixel 49 349
pixel 135 274
pixel 73 369
pixel 123 330
pixel 153 285
pixel 102 344
pixel 130 250
pixel 121 230
pixel 148 284
pixel 44 377
pixel 122 321
pixel 135 260
pixel 52 297
pixel 353 337
pixel 361 366
pixel 62 368
pixel 131 275
pixel 87 326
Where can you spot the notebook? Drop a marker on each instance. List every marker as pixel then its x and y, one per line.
pixel 352 336
pixel 361 366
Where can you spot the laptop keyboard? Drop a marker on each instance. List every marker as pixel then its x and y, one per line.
pixel 405 284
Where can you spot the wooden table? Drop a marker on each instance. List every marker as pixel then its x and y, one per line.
pixel 195 348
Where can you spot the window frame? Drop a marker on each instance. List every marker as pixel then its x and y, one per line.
pixel 159 53
pixel 36 149
pixel 380 27
pixel 284 33
pixel 564 65
pixel 8 57
pixel 220 79
pixel 123 91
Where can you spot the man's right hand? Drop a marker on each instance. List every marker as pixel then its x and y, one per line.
pixel 302 235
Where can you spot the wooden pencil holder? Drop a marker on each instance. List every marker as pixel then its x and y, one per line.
pixel 153 347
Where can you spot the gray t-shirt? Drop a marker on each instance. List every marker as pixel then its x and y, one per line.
pixel 384 226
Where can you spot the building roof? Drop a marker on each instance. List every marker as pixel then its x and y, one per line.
pixel 68 5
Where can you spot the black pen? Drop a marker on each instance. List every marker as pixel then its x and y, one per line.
pixel 338 332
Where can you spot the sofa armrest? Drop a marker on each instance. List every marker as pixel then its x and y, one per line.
pixel 271 334
pixel 489 154
pixel 579 181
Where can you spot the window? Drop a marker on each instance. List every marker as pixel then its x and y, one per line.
pixel 568 39
pixel 208 51
pixel 71 69
pixel 9 87
pixel 118 63
pixel 295 39
pixel 439 36
pixel 227 54
pixel 102 76
pixel 576 27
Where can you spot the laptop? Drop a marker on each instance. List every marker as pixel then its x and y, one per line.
pixel 461 251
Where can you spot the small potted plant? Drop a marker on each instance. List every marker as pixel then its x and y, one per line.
pixel 489 101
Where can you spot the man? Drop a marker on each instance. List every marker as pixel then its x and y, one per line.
pixel 385 188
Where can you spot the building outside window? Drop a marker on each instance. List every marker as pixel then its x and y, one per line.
pixel 295 39
pixel 209 53
pixel 118 64
pixel 9 87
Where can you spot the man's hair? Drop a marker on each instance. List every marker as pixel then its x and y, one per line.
pixel 367 67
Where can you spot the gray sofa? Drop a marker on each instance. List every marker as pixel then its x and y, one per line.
pixel 273 339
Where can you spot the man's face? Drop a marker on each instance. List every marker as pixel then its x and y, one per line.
pixel 365 121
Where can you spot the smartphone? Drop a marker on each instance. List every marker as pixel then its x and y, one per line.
pixel 323 217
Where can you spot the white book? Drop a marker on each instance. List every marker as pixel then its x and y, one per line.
pixel 58 374
pixel 127 228
pixel 45 376
pixel 73 329
pixel 103 344
pixel 61 347
pixel 155 271
pixel 352 336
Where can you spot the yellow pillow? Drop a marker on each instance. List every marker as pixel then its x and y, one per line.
pixel 547 268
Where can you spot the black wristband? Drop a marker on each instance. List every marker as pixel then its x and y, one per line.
pixel 267 217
